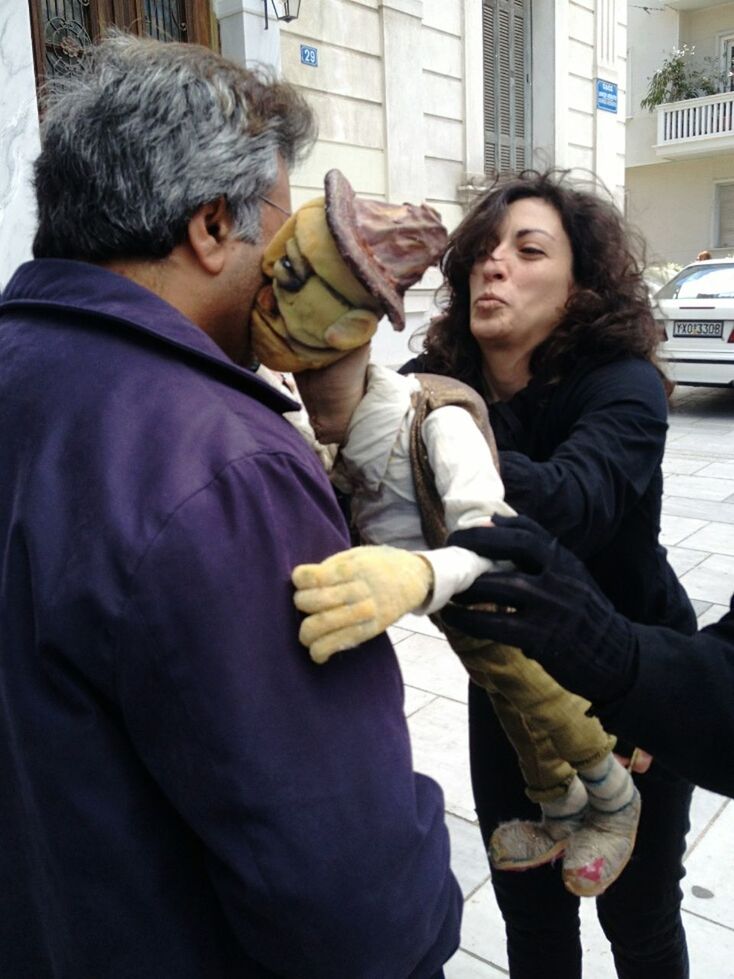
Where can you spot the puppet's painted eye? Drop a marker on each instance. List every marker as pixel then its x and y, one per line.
pixel 286 276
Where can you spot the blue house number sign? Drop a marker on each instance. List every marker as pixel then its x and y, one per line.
pixel 309 56
pixel 606 95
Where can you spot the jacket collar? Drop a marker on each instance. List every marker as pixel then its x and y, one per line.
pixel 57 284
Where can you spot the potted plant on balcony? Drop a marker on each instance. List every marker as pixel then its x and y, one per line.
pixel 681 77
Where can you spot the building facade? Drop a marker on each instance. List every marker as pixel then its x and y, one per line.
pixel 680 154
pixel 416 99
pixel 428 99
pixel 18 137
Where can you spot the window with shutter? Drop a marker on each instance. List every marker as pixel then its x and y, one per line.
pixel 725 208
pixel 506 37
pixel 728 60
pixel 63 28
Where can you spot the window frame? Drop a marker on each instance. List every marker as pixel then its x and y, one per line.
pixel 727 57
pixel 126 14
pixel 512 148
pixel 718 187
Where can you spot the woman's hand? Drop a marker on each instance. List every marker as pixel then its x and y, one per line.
pixel 331 394
pixel 639 762
pixel 550 607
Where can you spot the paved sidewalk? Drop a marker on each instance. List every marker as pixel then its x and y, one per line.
pixel 698 529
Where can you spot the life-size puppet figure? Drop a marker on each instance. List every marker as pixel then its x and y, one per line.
pixel 417 456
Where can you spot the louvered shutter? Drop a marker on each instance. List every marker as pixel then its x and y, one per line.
pixel 506 36
pixel 725 194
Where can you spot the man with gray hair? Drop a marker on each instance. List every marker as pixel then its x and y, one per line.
pixel 185 795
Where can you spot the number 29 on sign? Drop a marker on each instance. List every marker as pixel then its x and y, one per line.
pixel 309 56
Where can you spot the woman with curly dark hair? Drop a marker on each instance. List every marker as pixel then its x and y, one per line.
pixel 607 311
pixel 547 316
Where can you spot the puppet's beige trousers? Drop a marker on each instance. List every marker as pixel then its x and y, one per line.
pixel 547 725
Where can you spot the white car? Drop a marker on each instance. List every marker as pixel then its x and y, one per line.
pixel 696 311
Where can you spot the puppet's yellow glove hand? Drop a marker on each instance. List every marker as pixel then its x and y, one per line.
pixel 355 595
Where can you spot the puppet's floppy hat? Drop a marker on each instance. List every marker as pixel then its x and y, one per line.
pixel 388 247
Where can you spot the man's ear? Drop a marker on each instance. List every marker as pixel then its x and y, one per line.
pixel 208 232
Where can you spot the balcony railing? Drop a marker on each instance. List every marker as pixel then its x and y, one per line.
pixel 696 126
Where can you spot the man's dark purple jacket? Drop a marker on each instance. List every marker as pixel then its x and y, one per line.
pixel 184 794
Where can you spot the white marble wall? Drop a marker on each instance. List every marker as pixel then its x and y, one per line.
pixel 243 35
pixel 18 137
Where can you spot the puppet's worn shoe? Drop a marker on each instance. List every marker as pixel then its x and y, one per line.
pixel 522 844
pixel 597 853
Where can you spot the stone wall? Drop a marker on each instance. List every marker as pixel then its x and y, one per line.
pixel 18 138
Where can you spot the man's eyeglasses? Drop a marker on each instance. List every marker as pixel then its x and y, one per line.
pixel 273 204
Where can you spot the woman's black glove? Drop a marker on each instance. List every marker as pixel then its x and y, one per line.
pixel 550 607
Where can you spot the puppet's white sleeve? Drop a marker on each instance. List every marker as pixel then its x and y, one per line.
pixel 472 492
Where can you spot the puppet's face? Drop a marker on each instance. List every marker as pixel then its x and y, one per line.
pixel 313 310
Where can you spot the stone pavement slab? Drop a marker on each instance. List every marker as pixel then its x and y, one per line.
pixel 426 665
pixel 699 487
pixel 713 536
pixel 712 614
pixel 675 529
pixel 702 509
pixel 711 579
pixel 709 884
pixel 440 740
pixel 684 559
pixel 467 854
pixel 681 465
pixel 719 470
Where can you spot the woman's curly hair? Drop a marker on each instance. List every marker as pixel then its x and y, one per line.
pixel 608 314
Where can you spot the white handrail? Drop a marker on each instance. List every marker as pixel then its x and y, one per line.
pixel 711 115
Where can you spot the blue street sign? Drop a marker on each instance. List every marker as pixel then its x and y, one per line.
pixel 606 95
pixel 309 56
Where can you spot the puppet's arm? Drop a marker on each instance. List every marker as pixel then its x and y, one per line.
pixel 355 595
pixel 466 477
pixel 331 395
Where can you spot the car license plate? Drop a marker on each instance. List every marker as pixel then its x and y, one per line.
pixel 698 328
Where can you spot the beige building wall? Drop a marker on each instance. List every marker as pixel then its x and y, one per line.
pixel 398 91
pixel 701 28
pixel 672 202
pixel 580 85
pixel 389 95
pixel 651 36
pixel 390 98
pixel 674 205
pixel 346 90
pixel 591 44
pixel 399 95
